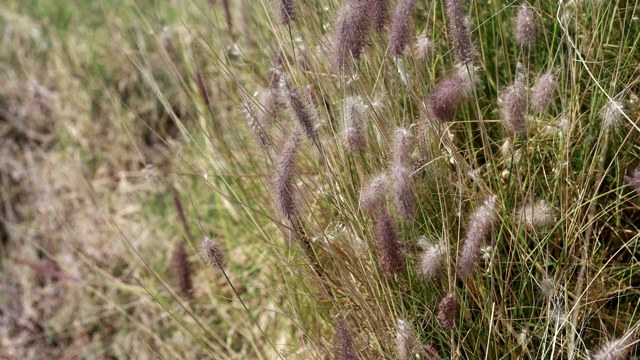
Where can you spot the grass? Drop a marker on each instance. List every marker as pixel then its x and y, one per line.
pixel 103 114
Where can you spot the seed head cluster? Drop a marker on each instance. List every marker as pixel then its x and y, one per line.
pixel 391 256
pixel 401 27
pixel 351 32
pixel 514 107
pixel 353 133
pixel 447 311
pixel 526 29
pixel 481 222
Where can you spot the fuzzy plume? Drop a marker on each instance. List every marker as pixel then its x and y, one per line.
pixel 403 195
pixel 406 340
pixel 424 47
pixel 214 253
pixel 612 114
pixel 447 310
pixel 391 257
pixel 350 37
pixel 343 342
pixel 513 108
pixel 634 180
pixel 481 222
pixel 182 269
pixel 526 28
pixel 286 10
pixel 536 215
pixel 373 193
pixel 353 134
pixel 301 109
pixel 257 123
pixel 401 27
pixel 542 92
pixel 431 259
pixel 284 186
pixel 617 349
pixel 445 98
pixel 458 31
pixel 379 13
pixel 402 145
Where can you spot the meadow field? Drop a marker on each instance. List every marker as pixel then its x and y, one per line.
pixel 319 179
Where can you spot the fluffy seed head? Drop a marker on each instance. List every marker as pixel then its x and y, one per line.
pixel 403 196
pixel 214 253
pixel 526 28
pixel 424 47
pixel 513 108
pixel 536 215
pixel 445 98
pixel 353 134
pixel 402 147
pixel 182 270
pixel 343 342
pixel 481 221
pixel 447 310
pixel 406 340
pixel 284 186
pixel 286 10
pixel 373 193
pixel 301 109
pixel 634 180
pixel 379 13
pixel 616 349
pixel 458 32
pixel 542 92
pixel 401 27
pixel 257 119
pixel 391 257
pixel 431 259
pixel 350 37
pixel 611 114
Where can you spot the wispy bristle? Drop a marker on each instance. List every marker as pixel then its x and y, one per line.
pixel 458 32
pixel 445 98
pixel 424 47
pixel 526 28
pixel 284 185
pixel 542 92
pixel 612 114
pixel 513 108
pixel 402 147
pixel 406 340
pixel 353 134
pixel 182 270
pixel 214 253
pixel 447 311
pixel 301 109
pixel 431 259
pixel 373 193
pixel 391 257
pixel 401 27
pixel 403 195
pixel 480 224
pixel 536 215
pixel 343 342
pixel 352 29
pixel 257 128
pixel 286 10
pixel 634 180
pixel 617 349
pixel 379 12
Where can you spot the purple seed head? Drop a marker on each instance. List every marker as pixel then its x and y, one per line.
pixel 284 186
pixel 182 269
pixel 391 257
pixel 514 106
pixel 446 96
pixel 343 342
pixel 214 253
pixel 255 122
pixel 526 28
pixel 373 193
pixel 353 134
pixel 301 109
pixel 481 222
pixel 403 195
pixel 447 311
pixel 286 10
pixel 542 92
pixel 350 37
pixel 379 13
pixel 401 27
pixel 458 31
pixel 634 180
